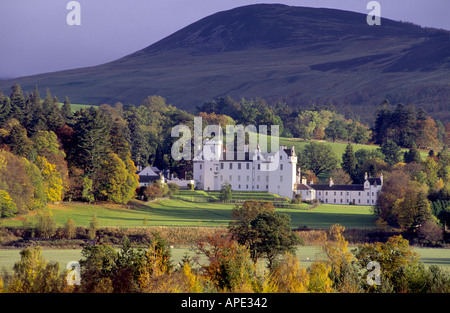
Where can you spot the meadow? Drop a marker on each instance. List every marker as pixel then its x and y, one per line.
pixel 176 212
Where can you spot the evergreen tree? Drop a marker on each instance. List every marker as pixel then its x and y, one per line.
pixel 412 155
pixel 17 102
pixel 5 110
pixel 66 111
pixel 382 123
pixel 91 142
pixel 392 153
pixel 139 144
pixel 349 161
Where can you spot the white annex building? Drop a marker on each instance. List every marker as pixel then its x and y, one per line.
pixel 273 172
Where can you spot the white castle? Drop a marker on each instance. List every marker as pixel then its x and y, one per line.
pixel 274 172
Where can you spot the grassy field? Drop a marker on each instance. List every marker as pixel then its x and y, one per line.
pixel 175 212
pixel 76 107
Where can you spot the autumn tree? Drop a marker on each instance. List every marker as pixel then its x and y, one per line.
pixel 228 265
pixel 393 257
pixel 7 206
pixel 33 274
pixel 339 259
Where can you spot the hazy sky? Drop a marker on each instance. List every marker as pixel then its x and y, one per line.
pixel 35 37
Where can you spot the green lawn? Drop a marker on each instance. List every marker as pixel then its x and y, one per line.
pixel 174 212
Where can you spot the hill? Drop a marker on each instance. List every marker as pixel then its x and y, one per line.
pixel 296 54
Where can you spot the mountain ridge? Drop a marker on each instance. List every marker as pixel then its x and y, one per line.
pixel 294 54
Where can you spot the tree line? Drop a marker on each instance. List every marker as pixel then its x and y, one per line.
pixel 233 261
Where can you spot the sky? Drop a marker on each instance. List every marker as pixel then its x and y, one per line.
pixel 35 36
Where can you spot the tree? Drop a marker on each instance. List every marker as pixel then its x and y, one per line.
pixel 16 179
pixel 336 130
pixel 91 145
pixel 229 266
pixel 115 182
pixel 7 206
pixel 339 259
pixel 393 257
pixel 392 153
pixel 70 229
pixel 349 161
pixel 97 268
pixel 266 232
pixel 18 142
pixel 340 177
pixel 426 133
pixel 53 183
pixel 152 192
pixel 272 236
pixel 430 232
pixel 412 155
pixel 226 193
pixel 33 274
pixel 66 111
pixel 318 158
pixel 45 225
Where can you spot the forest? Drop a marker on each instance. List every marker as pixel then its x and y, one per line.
pixel 55 153
pixel 50 153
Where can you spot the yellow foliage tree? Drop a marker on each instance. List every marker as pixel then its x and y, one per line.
pixel 53 183
pixel 319 279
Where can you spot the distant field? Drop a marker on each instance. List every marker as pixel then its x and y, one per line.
pixel 173 212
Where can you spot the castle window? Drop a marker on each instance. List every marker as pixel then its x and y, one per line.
pixel 341 200
pixel 200 166
pixel 368 193
pixel 259 166
pixel 248 178
pixel 281 166
pixel 334 200
pixel 231 177
pixel 335 193
pixel 239 178
pixel 248 165
pixel 239 166
pixel 231 166
pixel 341 193
pixel 359 193
pixel 221 166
